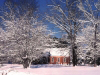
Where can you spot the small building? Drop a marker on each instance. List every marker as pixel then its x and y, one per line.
pixel 59 60
pixel 59 56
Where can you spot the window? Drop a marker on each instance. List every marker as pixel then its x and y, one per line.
pixel 52 59
pixel 58 59
pixel 64 60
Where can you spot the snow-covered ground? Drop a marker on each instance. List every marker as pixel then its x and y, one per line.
pixel 14 69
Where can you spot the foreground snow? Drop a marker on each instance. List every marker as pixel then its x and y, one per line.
pixel 49 70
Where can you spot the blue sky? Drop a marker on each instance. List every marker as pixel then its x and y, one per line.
pixel 1 2
pixel 42 4
pixel 43 8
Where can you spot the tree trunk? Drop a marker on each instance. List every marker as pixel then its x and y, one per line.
pixel 74 57
pixel 26 63
pixel 30 63
pixel 95 38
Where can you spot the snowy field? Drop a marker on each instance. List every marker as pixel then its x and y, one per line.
pixel 48 70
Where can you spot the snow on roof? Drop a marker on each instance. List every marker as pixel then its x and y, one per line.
pixel 58 51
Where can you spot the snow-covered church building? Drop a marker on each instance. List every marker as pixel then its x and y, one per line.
pixel 59 56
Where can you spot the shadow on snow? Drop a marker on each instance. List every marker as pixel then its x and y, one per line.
pixel 49 66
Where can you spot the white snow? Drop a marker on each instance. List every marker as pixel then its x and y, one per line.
pixel 58 51
pixel 49 70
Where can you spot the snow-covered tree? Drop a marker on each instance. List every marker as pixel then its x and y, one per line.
pixel 26 36
pixel 64 14
pixel 20 7
pixel 92 16
pixel 85 41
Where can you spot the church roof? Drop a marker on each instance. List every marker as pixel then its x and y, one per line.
pixel 58 51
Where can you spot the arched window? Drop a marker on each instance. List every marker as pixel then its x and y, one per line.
pixel 64 59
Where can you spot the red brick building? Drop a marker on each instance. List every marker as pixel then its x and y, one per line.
pixel 59 60
pixel 59 56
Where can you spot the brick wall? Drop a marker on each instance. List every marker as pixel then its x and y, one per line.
pixel 59 60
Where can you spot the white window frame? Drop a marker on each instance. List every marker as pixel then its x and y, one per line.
pixel 52 59
pixel 58 59
pixel 64 59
